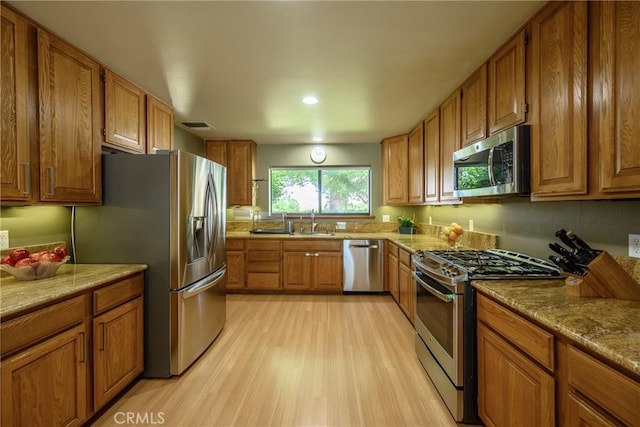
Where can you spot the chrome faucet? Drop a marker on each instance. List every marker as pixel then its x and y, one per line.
pixel 313 220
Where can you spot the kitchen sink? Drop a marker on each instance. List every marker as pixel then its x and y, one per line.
pixel 315 233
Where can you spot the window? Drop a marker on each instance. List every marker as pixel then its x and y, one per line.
pixel 329 190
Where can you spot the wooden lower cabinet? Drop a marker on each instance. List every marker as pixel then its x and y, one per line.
pixel 528 376
pixel 392 272
pixel 48 373
pixel 512 390
pixel 46 385
pixel 118 356
pixel 309 265
pixel 235 264
pixel 263 259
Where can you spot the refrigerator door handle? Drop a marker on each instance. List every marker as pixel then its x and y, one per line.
pixel 204 284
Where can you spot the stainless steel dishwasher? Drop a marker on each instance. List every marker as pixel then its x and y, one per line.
pixel 363 261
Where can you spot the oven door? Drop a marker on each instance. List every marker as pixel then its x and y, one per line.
pixel 439 314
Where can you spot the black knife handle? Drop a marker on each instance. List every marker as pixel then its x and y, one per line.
pixel 562 235
pixel 575 238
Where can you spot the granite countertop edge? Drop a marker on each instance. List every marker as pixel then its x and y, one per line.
pixel 609 328
pixel 19 297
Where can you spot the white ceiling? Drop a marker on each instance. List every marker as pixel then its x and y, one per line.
pixel 378 67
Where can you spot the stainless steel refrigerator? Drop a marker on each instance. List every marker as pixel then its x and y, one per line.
pixel 167 211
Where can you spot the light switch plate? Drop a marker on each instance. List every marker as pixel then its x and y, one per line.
pixel 386 218
pixel 4 239
pixel 634 245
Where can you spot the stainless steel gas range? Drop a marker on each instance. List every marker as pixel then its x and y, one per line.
pixel 446 316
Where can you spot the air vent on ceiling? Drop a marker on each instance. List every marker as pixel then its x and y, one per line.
pixel 198 125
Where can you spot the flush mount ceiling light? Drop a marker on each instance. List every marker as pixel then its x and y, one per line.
pixel 317 139
pixel 310 100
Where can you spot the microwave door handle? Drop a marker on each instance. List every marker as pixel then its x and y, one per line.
pixel 435 292
pixel 492 178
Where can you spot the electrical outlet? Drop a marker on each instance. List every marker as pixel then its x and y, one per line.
pixel 4 239
pixel 634 245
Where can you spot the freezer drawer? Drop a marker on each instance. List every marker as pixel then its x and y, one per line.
pixel 363 266
pixel 198 314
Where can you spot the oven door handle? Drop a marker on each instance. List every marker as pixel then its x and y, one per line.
pixel 432 290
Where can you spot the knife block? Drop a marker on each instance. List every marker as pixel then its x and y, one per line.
pixel 605 279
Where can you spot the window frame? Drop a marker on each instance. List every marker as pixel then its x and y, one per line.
pixel 319 169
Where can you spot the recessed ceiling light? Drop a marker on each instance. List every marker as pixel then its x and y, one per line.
pixel 310 100
pixel 317 139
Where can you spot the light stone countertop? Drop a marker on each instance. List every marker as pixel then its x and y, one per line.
pixel 608 327
pixel 410 242
pixel 70 279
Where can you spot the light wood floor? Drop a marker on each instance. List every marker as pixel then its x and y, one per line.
pixel 297 360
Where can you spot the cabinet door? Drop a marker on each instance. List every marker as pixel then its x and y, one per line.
pixel 241 158
pixel 615 64
pixel 432 158
pixel 216 151
pixel 392 274
pixel 558 79
pixel 327 271
pixel 416 165
pixel 581 413
pixel 297 270
pixel 449 142
pixel 406 291
pixel 15 162
pixel 70 123
pixel 507 85
pixel 124 112
pixel 46 385
pixel 512 390
pixel 395 167
pixel 159 125
pixel 474 107
pixel 235 270
pixel 117 350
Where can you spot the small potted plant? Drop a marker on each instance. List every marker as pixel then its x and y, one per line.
pixel 406 224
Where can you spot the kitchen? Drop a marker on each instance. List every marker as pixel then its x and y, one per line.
pixel 604 224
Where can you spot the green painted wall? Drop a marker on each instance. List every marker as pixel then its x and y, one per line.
pixel 29 225
pixel 186 141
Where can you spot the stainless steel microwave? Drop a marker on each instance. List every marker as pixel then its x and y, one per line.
pixel 498 165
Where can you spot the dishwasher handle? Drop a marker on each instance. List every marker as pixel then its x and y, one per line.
pixel 364 246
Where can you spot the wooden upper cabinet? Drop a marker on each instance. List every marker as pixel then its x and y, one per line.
pixel 416 165
pixel 615 61
pixel 216 151
pixel 395 168
pixel 432 158
pixel 474 107
pixel 449 142
pixel 558 94
pixel 15 161
pixel 125 119
pixel 506 90
pixel 241 170
pixel 70 123
pixel 159 125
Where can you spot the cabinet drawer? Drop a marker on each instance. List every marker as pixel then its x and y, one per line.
pixel 531 339
pixel 312 245
pixel 404 257
pixel 25 330
pixel 609 388
pixel 263 280
pixel 264 245
pixel 118 293
pixel 393 249
pixel 235 244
